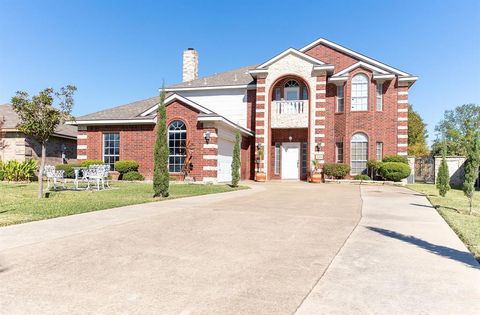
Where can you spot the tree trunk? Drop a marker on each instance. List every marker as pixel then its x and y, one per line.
pixel 40 172
pixel 470 201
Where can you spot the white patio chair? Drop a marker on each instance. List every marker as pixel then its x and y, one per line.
pixel 54 175
pixel 95 173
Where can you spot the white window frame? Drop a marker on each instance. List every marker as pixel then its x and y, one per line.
pixel 277 158
pixel 112 165
pixel 359 142
pixel 338 149
pixel 178 131
pixel 359 93
pixel 340 108
pixel 379 97
pixel 379 151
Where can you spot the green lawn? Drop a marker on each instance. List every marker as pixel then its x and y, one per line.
pixel 19 204
pixel 454 209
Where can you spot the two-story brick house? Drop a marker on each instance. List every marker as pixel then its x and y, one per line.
pixel 323 102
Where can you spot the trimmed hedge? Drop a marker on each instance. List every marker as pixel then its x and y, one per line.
pixel 87 163
pixel 126 166
pixel 337 171
pixel 394 171
pixel 395 158
pixel 132 175
pixel 68 169
pixel 361 177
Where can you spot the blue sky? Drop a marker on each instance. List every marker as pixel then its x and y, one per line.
pixel 120 51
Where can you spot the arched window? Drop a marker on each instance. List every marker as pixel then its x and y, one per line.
pixel 177 137
pixel 359 92
pixel 292 90
pixel 359 153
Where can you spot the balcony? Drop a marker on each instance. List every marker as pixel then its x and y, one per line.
pixel 290 114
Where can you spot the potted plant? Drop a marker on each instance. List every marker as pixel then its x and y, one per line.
pixel 316 176
pixel 260 176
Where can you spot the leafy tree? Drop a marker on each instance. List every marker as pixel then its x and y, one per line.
pixel 3 145
pixel 471 166
pixel 443 180
pixel 417 134
pixel 457 129
pixel 236 162
pixel 39 118
pixel 160 157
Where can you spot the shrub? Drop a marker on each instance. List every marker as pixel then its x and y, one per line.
pixel 126 166
pixel 1 171
pixel 443 178
pixel 18 171
pixel 133 175
pixel 361 177
pixel 87 163
pixel 395 158
pixel 338 171
pixel 394 171
pixel 68 169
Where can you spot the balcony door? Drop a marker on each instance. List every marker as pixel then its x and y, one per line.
pixel 292 90
pixel 290 160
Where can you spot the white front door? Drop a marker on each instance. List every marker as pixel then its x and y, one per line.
pixel 224 166
pixel 290 160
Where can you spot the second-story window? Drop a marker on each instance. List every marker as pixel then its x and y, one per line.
pixel 340 99
pixel 292 90
pixel 379 97
pixel 359 92
pixel 278 94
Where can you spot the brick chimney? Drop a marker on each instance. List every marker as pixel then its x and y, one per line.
pixel 190 65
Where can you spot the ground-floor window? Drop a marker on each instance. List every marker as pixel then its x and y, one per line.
pixel 379 151
pixel 277 158
pixel 303 170
pixel 111 148
pixel 359 153
pixel 339 152
pixel 177 137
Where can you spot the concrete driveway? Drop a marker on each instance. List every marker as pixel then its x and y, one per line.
pixel 254 251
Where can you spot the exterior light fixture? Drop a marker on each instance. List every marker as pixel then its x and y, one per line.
pixel 318 146
pixel 260 146
pixel 290 138
pixel 207 137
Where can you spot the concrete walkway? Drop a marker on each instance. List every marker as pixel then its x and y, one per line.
pixel 401 259
pixel 253 251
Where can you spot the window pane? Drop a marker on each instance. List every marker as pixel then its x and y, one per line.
pixel 359 92
pixel 359 153
pixel 177 135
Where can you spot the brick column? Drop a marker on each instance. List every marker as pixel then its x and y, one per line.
pixel 319 119
pixel 402 120
pixel 82 139
pixel 261 123
pixel 210 157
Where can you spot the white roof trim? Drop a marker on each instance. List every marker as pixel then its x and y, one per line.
pixel 359 64
pixel 354 54
pixel 219 87
pixel 226 122
pixel 290 51
pixel 180 98
pixel 407 79
pixel 337 79
pixel 112 122
pixel 383 76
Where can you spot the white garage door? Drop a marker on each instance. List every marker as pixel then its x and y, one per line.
pixel 225 151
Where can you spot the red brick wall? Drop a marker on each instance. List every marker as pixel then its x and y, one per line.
pixel 331 56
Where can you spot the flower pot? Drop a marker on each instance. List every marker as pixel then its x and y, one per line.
pixel 260 177
pixel 316 178
pixel 114 175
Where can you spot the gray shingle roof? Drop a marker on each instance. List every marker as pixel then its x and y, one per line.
pixel 11 120
pixel 238 76
pixel 127 111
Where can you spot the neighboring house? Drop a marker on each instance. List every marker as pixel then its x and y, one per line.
pixel 62 146
pixel 323 101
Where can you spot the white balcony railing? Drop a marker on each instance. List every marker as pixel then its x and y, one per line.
pixel 290 114
pixel 289 107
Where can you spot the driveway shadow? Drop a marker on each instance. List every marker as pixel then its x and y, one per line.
pixel 451 253
pixel 420 205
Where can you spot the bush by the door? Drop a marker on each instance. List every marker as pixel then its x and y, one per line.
pixel 338 170
pixel 87 163
pixel 361 177
pixel 395 158
pixel 394 171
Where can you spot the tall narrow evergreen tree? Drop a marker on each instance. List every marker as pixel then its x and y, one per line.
pixel 160 158
pixel 236 162
pixel 471 169
pixel 443 180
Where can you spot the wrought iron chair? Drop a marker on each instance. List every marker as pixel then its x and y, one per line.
pixel 54 175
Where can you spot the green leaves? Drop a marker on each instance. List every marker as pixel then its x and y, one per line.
pixel 160 158
pixel 236 162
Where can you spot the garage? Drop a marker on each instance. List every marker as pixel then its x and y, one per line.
pixel 224 167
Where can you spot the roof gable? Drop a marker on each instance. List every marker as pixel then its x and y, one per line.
pixel 289 51
pixel 355 54
pixel 176 97
pixel 358 65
